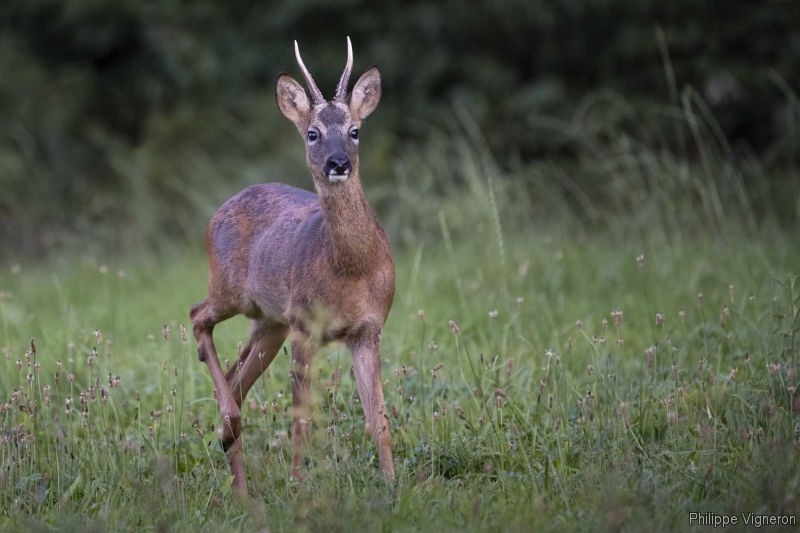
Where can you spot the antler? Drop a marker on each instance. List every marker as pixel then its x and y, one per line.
pixel 341 89
pixel 316 95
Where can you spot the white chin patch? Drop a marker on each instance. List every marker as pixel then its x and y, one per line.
pixel 338 178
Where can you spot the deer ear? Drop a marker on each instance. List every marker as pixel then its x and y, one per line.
pixel 292 99
pixel 366 93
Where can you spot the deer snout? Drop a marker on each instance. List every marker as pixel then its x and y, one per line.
pixel 338 166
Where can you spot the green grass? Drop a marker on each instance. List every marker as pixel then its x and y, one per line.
pixel 551 410
pixel 532 423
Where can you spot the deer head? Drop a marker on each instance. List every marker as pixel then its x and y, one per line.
pixel 330 128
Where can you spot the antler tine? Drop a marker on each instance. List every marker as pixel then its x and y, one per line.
pixel 341 89
pixel 316 94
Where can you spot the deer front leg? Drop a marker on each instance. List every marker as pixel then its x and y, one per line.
pixel 367 366
pixel 302 353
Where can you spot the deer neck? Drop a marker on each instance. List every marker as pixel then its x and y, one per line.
pixel 351 226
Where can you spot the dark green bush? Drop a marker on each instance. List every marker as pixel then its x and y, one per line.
pixel 129 121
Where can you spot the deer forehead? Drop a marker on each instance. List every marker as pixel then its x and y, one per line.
pixel 331 116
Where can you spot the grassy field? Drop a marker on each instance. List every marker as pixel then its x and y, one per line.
pixel 607 344
pixel 585 383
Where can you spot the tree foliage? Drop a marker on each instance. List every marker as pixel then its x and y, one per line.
pixel 103 103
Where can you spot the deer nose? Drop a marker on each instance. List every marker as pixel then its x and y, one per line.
pixel 338 163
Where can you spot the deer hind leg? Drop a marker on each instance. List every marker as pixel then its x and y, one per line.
pixel 266 338
pixel 302 353
pixel 367 367
pixel 204 317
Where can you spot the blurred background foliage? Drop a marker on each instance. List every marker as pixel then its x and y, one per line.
pixel 126 124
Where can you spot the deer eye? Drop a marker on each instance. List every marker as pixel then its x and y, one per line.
pixel 312 136
pixel 354 133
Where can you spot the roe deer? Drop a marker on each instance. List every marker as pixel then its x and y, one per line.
pixel 317 266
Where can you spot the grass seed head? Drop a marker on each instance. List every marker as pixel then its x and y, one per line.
pixel 616 315
pixel 454 327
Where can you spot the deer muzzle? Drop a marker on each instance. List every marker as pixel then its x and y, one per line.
pixel 338 167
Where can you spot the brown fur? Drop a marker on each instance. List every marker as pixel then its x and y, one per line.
pixel 318 266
